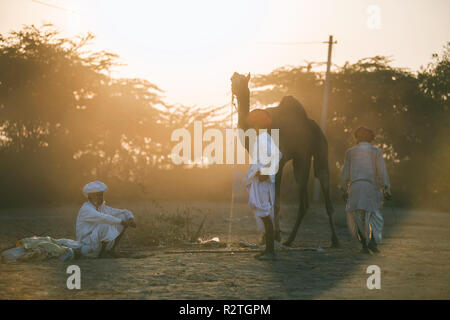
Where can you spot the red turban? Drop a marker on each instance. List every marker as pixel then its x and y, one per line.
pixel 259 117
pixel 364 134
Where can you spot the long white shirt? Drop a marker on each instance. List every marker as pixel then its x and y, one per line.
pixel 265 145
pixel 95 226
pixel 364 176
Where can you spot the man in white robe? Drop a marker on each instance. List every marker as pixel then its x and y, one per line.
pixel 261 179
pixel 100 227
pixel 365 182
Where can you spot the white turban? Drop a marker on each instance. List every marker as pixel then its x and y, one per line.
pixel 93 187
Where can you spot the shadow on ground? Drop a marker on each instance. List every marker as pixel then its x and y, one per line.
pixel 415 254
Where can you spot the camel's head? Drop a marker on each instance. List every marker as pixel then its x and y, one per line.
pixel 239 85
pixel 239 89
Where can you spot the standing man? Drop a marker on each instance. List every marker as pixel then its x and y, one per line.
pixel 99 227
pixel 261 179
pixel 364 183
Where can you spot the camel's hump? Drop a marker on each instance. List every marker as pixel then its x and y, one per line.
pixel 293 105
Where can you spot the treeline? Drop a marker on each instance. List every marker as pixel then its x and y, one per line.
pixel 65 121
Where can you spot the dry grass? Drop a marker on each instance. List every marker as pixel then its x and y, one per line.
pixel 157 225
pixel 162 226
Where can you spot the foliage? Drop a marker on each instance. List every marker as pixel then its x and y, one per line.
pixel 65 121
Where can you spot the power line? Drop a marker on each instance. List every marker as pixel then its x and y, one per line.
pixel 55 6
pixel 292 43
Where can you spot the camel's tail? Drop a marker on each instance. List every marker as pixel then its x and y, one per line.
pixel 320 150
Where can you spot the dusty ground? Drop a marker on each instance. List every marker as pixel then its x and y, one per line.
pixel 415 259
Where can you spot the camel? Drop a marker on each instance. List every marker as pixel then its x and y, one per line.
pixel 301 139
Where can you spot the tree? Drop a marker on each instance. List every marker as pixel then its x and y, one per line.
pixel 64 120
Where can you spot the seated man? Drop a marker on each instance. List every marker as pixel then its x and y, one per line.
pixel 100 227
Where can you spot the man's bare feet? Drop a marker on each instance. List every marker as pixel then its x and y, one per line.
pixel 266 256
pixel 373 246
pixel 364 250
pixel 258 255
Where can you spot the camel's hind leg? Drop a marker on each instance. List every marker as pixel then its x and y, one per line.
pixel 321 171
pixel 323 176
pixel 301 172
pixel 278 201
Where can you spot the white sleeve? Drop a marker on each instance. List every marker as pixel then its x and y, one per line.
pixel 117 212
pixel 346 172
pixel 264 141
pixel 382 175
pixel 251 196
pixel 267 144
pixel 90 215
pixel 254 151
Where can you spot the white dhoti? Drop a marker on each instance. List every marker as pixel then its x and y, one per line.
pixel 262 193
pixel 91 244
pixel 366 223
pixel 261 196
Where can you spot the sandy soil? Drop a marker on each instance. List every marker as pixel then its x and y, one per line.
pixel 414 262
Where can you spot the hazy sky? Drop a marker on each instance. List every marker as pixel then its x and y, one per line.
pixel 190 48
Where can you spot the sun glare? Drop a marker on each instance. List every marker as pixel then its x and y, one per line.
pixel 197 28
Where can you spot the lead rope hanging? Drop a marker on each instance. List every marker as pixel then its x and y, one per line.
pixel 232 180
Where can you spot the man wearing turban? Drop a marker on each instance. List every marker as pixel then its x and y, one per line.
pixel 100 227
pixel 261 179
pixel 364 182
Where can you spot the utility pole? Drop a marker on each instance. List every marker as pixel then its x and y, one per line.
pixel 323 120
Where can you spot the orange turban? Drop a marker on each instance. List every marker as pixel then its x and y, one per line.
pixel 364 134
pixel 259 117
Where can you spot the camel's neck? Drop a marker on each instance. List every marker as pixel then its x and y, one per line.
pixel 243 101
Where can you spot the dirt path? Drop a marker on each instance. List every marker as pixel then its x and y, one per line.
pixel 415 263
